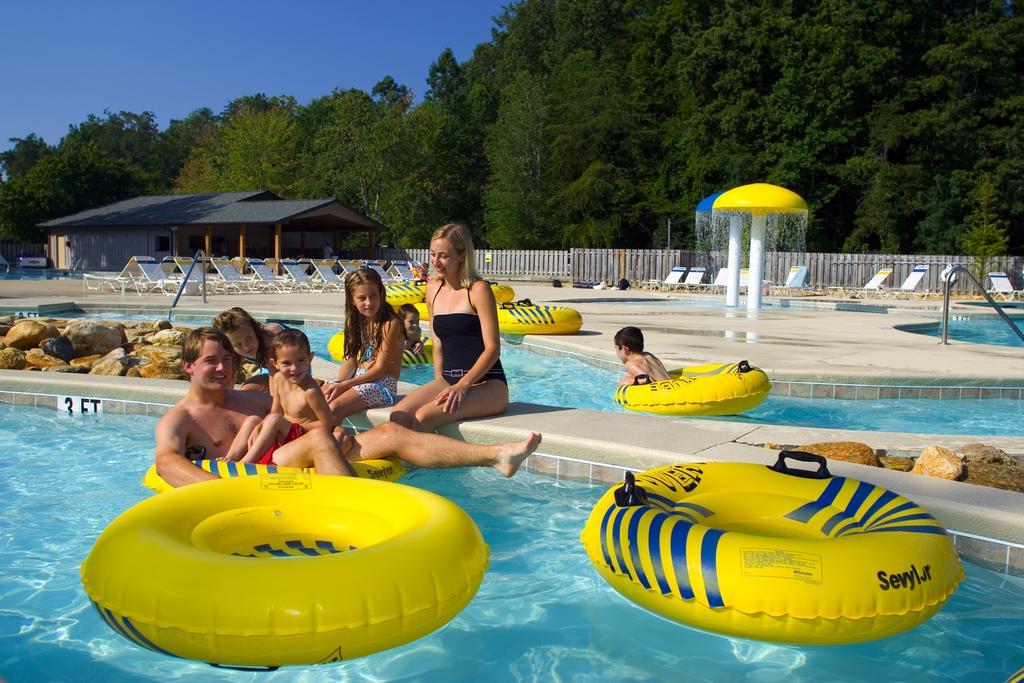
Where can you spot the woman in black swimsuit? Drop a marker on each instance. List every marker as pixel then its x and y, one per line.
pixel 468 378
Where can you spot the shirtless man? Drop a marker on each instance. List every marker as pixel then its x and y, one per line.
pixel 629 346
pixel 204 423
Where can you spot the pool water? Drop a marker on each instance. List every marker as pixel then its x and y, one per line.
pixel 977 330
pixel 570 383
pixel 38 274
pixel 541 613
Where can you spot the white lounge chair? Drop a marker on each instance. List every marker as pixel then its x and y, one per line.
pixel 674 277
pixel 872 287
pixel 796 282
pixel 325 275
pixel 231 281
pixel 694 279
pixel 269 281
pixel 1002 288
pixel 401 270
pixel 121 282
pixel 379 267
pixel 720 283
pixel 296 272
pixel 5 265
pixel 909 286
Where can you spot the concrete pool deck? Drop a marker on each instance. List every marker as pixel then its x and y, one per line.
pixel 805 351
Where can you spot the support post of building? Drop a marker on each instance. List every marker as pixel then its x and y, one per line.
pixel 208 241
pixel 241 241
pixel 277 241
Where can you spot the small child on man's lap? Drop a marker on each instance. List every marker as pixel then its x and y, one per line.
pixel 299 404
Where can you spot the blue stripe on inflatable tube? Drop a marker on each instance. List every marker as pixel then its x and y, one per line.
pixel 909 505
pixel 143 640
pixel 883 500
pixel 617 543
pixel 249 467
pixel 911 529
pixel 677 544
pixel 709 566
pixel 604 536
pixel 906 518
pixel 654 548
pixel 808 510
pixel 856 500
pixel 232 468
pixel 634 547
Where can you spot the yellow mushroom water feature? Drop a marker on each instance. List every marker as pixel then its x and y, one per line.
pixel 759 201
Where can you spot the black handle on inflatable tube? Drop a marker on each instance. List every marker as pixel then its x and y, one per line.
pixel 780 465
pixel 629 494
pixel 524 302
pixel 743 366
pixel 244 668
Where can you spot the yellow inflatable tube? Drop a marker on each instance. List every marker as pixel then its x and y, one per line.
pixel 284 569
pixel 761 552
pixel 718 389
pixel 407 292
pixel 502 294
pixel 385 470
pixel 425 356
pixel 525 317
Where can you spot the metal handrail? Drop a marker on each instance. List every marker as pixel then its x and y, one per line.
pixel 945 302
pixel 184 282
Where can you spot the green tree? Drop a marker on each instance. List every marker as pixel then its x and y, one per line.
pixel 256 149
pixel 78 176
pixel 515 199
pixel 986 235
pixel 25 153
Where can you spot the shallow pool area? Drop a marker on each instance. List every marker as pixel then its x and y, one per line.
pixel 567 382
pixel 976 329
pixel 38 274
pixel 541 614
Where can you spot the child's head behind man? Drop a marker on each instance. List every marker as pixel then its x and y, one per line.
pixel 411 321
pixel 291 354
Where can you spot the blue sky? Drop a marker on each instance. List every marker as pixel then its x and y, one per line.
pixel 63 60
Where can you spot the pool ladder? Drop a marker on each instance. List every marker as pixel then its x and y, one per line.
pixel 949 276
pixel 181 287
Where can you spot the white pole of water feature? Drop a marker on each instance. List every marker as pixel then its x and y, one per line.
pixel 732 285
pixel 756 270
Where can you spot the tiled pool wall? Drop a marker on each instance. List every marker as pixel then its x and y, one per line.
pixel 1000 556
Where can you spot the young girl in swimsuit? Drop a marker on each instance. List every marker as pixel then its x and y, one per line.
pixel 252 341
pixel 468 378
pixel 374 342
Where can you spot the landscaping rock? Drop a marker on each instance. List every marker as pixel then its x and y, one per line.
pixel 162 370
pixel 27 334
pixel 847 451
pixel 900 463
pixel 939 462
pixel 133 371
pixel 159 353
pixel 91 337
pixel 977 453
pixel 12 359
pixel 167 337
pixel 76 369
pixel 59 347
pixel 86 361
pixel 40 359
pixel 113 364
pixel 4 329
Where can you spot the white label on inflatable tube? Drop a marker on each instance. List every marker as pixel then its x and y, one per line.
pixel 79 405
pixel 781 564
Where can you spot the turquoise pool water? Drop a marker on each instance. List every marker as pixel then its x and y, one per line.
pixel 570 383
pixel 975 329
pixel 541 614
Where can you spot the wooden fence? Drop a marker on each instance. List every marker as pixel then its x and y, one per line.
pixel 640 265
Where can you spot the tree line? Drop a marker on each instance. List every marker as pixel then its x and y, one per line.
pixel 590 123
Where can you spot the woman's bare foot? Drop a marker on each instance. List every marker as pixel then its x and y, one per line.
pixel 511 456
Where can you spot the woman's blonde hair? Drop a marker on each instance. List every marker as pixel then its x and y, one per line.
pixel 458 236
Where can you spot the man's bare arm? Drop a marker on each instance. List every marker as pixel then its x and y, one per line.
pixel 169 457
